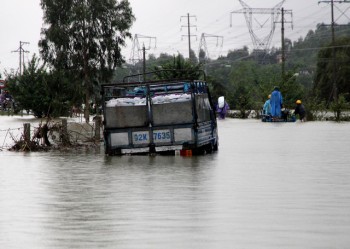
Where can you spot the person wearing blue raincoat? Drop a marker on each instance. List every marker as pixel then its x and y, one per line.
pixel 276 102
pixel 267 106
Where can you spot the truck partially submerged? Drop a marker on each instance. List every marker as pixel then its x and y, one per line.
pixel 163 116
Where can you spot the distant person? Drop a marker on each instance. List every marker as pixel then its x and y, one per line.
pixel 8 96
pixel 222 107
pixel 3 100
pixel 267 106
pixel 276 102
pixel 300 110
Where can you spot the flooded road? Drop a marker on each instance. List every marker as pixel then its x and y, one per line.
pixel 284 185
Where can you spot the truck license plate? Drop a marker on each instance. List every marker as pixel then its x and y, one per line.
pixel 161 136
pixel 141 137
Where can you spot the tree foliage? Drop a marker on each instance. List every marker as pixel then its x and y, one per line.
pixel 44 93
pixel 246 78
pixel 179 68
pixel 324 75
pixel 84 38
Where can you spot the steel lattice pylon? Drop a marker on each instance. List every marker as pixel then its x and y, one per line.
pixel 136 51
pixel 260 42
pixel 203 43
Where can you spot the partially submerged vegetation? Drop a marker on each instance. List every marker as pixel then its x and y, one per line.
pixel 57 135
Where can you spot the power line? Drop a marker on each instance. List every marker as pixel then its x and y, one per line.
pixel 303 22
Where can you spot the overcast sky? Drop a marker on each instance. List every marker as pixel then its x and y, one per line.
pixel 163 24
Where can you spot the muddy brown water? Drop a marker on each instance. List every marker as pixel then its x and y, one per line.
pixel 284 185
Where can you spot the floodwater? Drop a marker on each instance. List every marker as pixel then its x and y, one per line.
pixel 284 185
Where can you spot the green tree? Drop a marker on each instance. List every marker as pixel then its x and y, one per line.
pixel 46 94
pixel 238 54
pixel 324 75
pixel 179 69
pixel 84 38
pixel 202 57
pixel 243 84
pixel 251 82
pixel 217 89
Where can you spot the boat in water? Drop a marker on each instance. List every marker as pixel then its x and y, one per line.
pixel 286 116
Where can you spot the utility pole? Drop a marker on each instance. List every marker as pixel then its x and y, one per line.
pixel 188 26
pixel 21 52
pixel 334 63
pixel 283 56
pixel 335 85
pixel 283 47
pixel 144 62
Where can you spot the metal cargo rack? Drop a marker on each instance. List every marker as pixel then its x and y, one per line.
pixel 141 125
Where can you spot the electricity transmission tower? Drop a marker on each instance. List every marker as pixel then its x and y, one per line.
pixel 138 46
pixel 260 40
pixel 21 52
pixel 341 11
pixel 203 43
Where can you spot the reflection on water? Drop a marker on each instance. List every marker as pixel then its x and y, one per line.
pixel 269 186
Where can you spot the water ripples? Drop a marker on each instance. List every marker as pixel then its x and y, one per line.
pixel 269 186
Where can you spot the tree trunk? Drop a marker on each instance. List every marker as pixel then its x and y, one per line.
pixel 87 104
pixel 87 88
pixel 86 75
